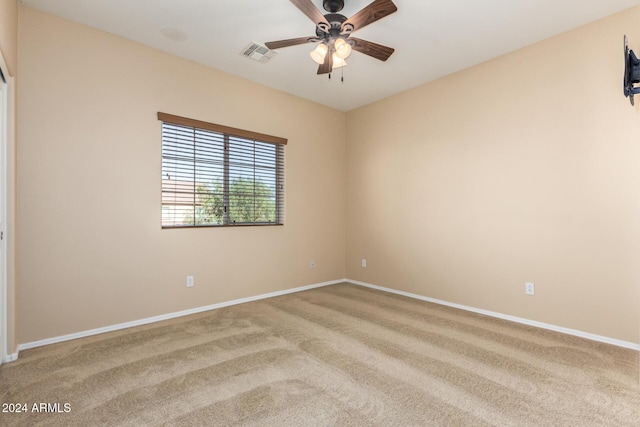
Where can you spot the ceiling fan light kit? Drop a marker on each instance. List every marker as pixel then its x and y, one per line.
pixel 341 51
pixel 333 33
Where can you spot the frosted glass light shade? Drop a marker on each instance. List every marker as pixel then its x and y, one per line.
pixel 343 49
pixel 319 53
pixel 338 62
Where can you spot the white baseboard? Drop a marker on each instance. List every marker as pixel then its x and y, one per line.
pixel 11 357
pixel 54 340
pixel 581 334
pixel 168 316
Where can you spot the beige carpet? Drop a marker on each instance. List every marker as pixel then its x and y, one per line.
pixel 338 355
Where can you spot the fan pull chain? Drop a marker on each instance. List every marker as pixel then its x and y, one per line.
pixel 341 76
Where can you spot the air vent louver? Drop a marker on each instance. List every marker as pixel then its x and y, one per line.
pixel 258 52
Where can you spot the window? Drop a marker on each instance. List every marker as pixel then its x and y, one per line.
pixel 213 175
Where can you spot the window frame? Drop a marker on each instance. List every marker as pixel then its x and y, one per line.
pixel 232 138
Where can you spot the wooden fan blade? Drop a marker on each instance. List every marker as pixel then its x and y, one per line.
pixel 328 64
pixel 375 50
pixel 288 42
pixel 309 9
pixel 375 11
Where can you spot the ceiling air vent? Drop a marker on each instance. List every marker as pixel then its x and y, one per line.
pixel 258 52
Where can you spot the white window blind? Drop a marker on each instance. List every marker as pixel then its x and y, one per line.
pixel 213 176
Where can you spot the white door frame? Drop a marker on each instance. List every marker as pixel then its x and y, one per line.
pixel 4 126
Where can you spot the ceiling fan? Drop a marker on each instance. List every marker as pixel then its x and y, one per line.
pixel 333 32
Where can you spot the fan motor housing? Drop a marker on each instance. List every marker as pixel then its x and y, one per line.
pixel 335 20
pixel 333 6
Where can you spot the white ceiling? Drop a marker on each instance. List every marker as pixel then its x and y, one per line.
pixel 432 38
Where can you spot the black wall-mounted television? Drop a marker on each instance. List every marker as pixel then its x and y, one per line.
pixel 631 72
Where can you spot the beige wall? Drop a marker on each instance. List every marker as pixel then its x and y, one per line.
pixel 91 252
pixel 9 33
pixel 524 168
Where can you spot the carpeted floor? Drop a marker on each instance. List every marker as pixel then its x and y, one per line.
pixel 338 355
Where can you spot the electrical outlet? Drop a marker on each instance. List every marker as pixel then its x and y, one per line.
pixel 530 288
pixel 364 263
pixel 312 264
pixel 189 281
